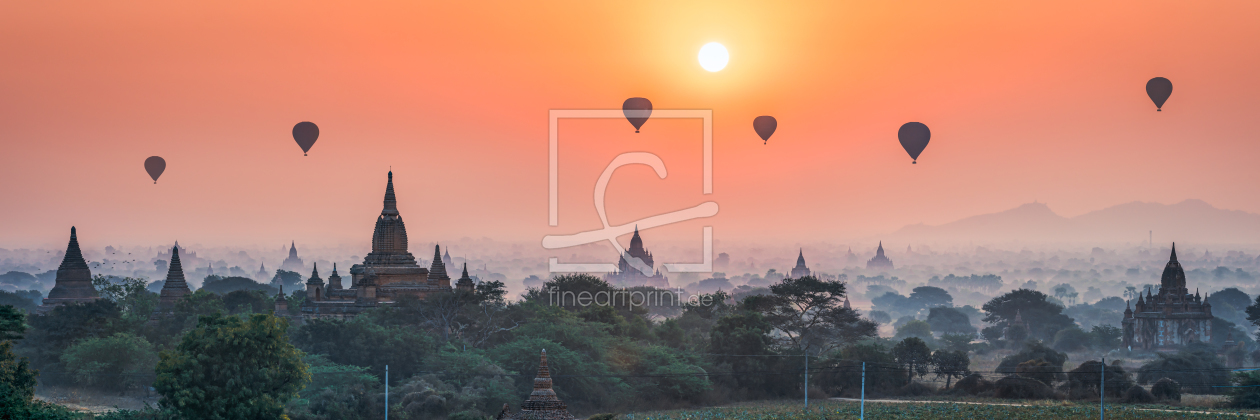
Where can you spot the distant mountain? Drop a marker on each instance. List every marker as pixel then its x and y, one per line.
pixel 1190 221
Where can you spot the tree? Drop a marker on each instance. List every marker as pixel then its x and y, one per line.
pixel 950 364
pixel 1246 390
pixel 121 361
pixel 810 314
pixel 251 301
pixel 879 316
pixel 232 368
pixel 1071 339
pixel 918 329
pixel 957 342
pixel 289 279
pixel 225 285
pixel 950 320
pixel 913 354
pixel 20 300
pixel 1106 337
pixel 930 297
pixel 363 342
pixel 12 323
pixel 1084 380
pixel 1043 317
pixel 52 333
pixel 17 382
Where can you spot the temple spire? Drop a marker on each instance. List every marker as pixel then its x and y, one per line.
pixel 391 203
pixel 1173 257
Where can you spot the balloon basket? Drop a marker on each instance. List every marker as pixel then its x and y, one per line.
pixel 636 131
pixel 914 162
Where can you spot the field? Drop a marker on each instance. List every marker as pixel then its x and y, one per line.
pixel 880 411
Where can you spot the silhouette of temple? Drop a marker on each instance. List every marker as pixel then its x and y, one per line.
pixel 1170 319
pixel 386 274
pixel 262 273
pixel 800 270
pixel 74 279
pixel 173 289
pixel 188 257
pixel 293 263
pixel 542 404
pixel 880 262
pixel 636 268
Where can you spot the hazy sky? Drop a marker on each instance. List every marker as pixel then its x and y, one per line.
pixel 1026 101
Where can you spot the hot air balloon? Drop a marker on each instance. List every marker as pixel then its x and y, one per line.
pixel 765 126
pixel 155 165
pixel 914 138
pixel 637 111
pixel 1159 89
pixel 305 133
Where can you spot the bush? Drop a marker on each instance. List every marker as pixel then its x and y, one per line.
pixel 1198 370
pixel 1021 388
pixel 1039 370
pixel 1246 394
pixel 1166 389
pixel 914 389
pixel 119 362
pixel 974 384
pixel 1083 381
pixel 1033 350
pixel 1071 339
pixel 1138 395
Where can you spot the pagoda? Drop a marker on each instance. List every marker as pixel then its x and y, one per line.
pixel 879 262
pixel 465 283
pixel 636 268
pixel 387 273
pixel 173 289
pixel 800 270
pixel 543 404
pixel 1171 319
pixel 293 263
pixel 74 279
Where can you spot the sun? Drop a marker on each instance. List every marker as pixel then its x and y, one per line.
pixel 713 56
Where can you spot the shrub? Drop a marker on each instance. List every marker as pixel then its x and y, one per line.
pixel 1033 350
pixel 1138 395
pixel 1039 370
pixel 1166 389
pixel 974 384
pixel 1018 387
pixel 1246 394
pixel 914 389
pixel 1083 381
pixel 1198 370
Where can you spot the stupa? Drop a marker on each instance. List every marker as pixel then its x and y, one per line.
pixel 74 279
pixel 173 289
pixel 543 404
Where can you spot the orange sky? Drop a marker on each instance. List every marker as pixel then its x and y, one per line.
pixel 1026 100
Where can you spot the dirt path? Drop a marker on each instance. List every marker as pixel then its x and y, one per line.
pixel 1019 405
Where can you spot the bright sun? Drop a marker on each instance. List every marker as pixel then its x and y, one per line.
pixel 713 56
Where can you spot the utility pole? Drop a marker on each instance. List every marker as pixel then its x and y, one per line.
pixel 386 392
pixel 862 405
pixel 1102 391
pixel 806 379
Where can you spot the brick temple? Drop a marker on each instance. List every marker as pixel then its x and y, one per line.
pixel 1170 319
pixel 74 279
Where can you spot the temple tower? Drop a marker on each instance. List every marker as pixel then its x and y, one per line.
pixel 174 288
pixel 334 280
pixel 543 402
pixel 465 283
pixel 74 279
pixel 315 285
pixel 800 270
pixel 437 271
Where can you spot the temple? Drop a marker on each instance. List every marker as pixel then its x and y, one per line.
pixel 542 404
pixel 262 275
pixel 1170 319
pixel 74 279
pixel 800 270
pixel 173 289
pixel 879 262
pixel 386 274
pixel 293 263
pixel 636 268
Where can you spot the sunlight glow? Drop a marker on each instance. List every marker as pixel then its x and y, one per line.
pixel 713 56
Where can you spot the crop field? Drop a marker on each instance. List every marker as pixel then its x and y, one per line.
pixel 882 411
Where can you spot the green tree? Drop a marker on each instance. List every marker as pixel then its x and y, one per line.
pixel 950 364
pixel 918 329
pixel 1072 339
pixel 930 297
pixel 1246 390
pixel 957 342
pixel 52 333
pixel 950 320
pixel 229 368
pixel 12 323
pixel 121 361
pixel 1044 318
pixel 362 342
pixel 1196 368
pixel 810 314
pixel 913 354
pixel 1033 350
pixel 1106 337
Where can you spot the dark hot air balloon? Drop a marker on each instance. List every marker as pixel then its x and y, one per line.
pixel 155 165
pixel 637 111
pixel 1159 89
pixel 765 126
pixel 914 138
pixel 305 133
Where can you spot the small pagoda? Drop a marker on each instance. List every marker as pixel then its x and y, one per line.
pixel 542 404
